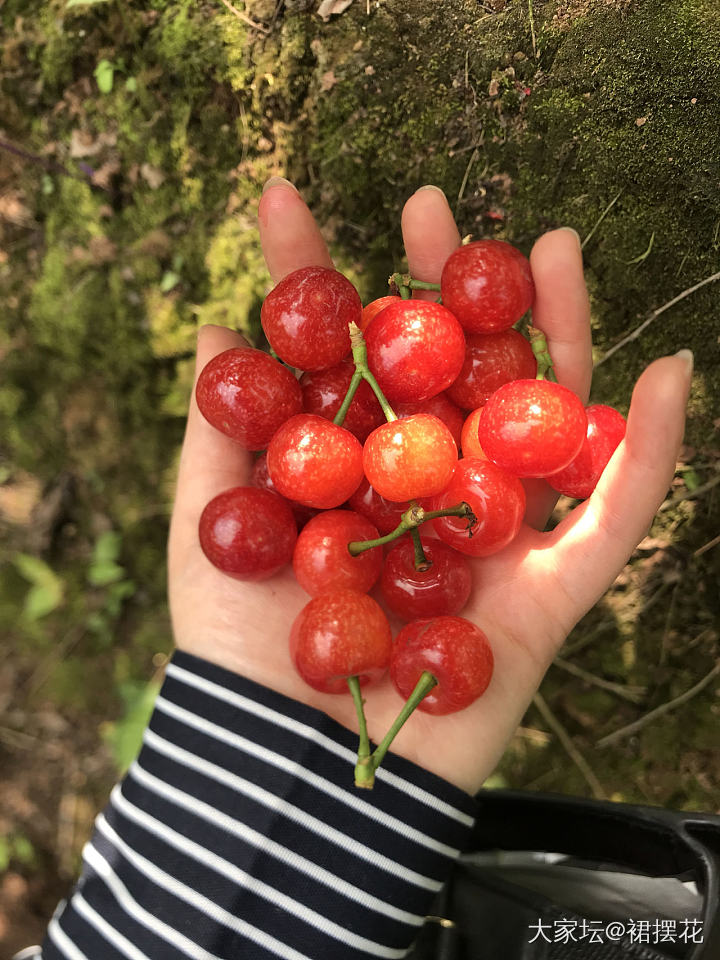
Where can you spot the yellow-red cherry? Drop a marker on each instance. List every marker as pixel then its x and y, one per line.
pixel 411 458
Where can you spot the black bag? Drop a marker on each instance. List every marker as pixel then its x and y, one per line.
pixel 550 877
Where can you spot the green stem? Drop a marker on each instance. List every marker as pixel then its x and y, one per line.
pixel 365 772
pixel 421 561
pixel 364 744
pixel 405 280
pixel 357 379
pixel 359 352
pixel 411 519
pixel 545 370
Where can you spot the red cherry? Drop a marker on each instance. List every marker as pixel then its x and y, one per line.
pixel 415 349
pixel 442 590
pixel 438 406
pixel 315 462
pixel 373 309
pixel 247 533
pixel 411 458
pixel 339 635
pixel 532 428
pixel 260 478
pixel 487 285
pixel 454 651
pixel 246 394
pixel 321 560
pixel 306 317
pixel 491 359
pixel 324 391
pixel 496 498
pixel 469 443
pixel 605 430
pixel 384 514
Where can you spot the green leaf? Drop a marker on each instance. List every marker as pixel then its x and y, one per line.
pixel 46 592
pixel 131 84
pixel 104 73
pixel 107 547
pixel 170 279
pixel 691 479
pixel 125 736
pixel 105 572
pixel 83 3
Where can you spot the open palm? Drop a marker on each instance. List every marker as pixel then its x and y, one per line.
pixel 525 598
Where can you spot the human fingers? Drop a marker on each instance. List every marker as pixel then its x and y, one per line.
pixel 562 307
pixel 592 545
pixel 430 235
pixel 289 236
pixel 210 462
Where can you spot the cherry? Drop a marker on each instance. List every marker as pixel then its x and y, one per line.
pixel 439 406
pixel 469 443
pixel 496 498
pixel 306 317
pixel 411 458
pixel 248 533
pixel 415 349
pixel 323 392
pixel 260 478
pixel 247 395
pixel 454 651
pixel 441 590
pixel 605 430
pixel 373 309
pixel 321 560
pixel 339 635
pixel 315 462
pixel 532 428
pixel 487 285
pixel 384 514
pixel 491 359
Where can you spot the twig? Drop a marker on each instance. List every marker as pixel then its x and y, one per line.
pixel 245 18
pixel 628 692
pixel 605 212
pixel 572 751
pixel 707 546
pixel 589 637
pixel 532 28
pixel 461 191
pixel 661 710
pixel 655 314
pixel 692 495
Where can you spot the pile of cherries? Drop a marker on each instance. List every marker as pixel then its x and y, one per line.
pixel 362 448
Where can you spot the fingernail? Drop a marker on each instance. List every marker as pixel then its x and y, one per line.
pixel 430 186
pixel 574 233
pixel 278 181
pixel 687 357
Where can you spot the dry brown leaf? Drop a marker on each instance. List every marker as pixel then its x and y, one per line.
pixel 330 8
pixel 102 249
pixel 83 144
pixel 13 210
pixel 327 81
pixel 153 176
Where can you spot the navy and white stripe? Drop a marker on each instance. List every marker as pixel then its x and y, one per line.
pixel 238 833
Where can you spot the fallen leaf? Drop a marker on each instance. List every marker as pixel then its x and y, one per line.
pixel 641 121
pixel 83 144
pixel 330 8
pixel 327 81
pixel 102 249
pixel 493 88
pixel 369 70
pixel 153 176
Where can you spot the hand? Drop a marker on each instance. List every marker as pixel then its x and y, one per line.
pixel 526 599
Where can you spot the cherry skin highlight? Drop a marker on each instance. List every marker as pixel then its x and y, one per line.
pixel 487 285
pixel 454 651
pixel 532 428
pixel 339 635
pixel 415 349
pixel 496 498
pixel 605 430
pixel 323 392
pixel 491 360
pixel 315 462
pixel 247 533
pixel 306 317
pixel 247 395
pixel 442 590
pixel 321 560
pixel 410 458
pixel 439 406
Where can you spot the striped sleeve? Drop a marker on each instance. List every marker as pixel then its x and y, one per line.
pixel 238 833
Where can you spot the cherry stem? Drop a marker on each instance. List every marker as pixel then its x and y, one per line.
pixel 364 745
pixel 421 561
pixel 545 370
pixel 362 372
pixel 411 519
pixel 407 283
pixel 365 770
